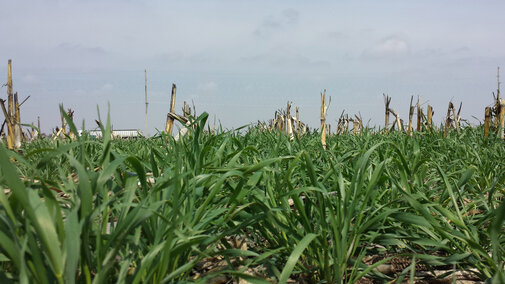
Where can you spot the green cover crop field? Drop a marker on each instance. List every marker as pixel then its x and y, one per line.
pixel 254 206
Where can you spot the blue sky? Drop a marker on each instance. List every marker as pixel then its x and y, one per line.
pixel 242 60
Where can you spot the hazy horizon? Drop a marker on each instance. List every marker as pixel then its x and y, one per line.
pixel 242 60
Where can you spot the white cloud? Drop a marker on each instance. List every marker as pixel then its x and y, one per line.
pixel 272 24
pixel 107 87
pixel 104 90
pixel 84 94
pixel 210 86
pixel 390 47
pixel 286 60
pixel 31 79
pixel 80 49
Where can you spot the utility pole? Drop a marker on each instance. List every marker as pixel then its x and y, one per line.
pixel 145 77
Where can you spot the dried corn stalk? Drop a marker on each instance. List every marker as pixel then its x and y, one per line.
pixel 214 126
pixel 64 124
pixel 343 121
pixel 497 103
pixel 186 110
pixel 10 98
pixel 324 109
pixel 183 120
pixel 289 122
pixel 398 121
pixel 452 121
pixel 387 101
pixel 502 119
pixel 170 120
pixel 430 117
pixel 448 120
pixel 487 121
pixel 357 124
pixel 411 114
pixel 38 126
pixel 12 113
pixel 420 115
pixel 457 117
pixel 298 123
